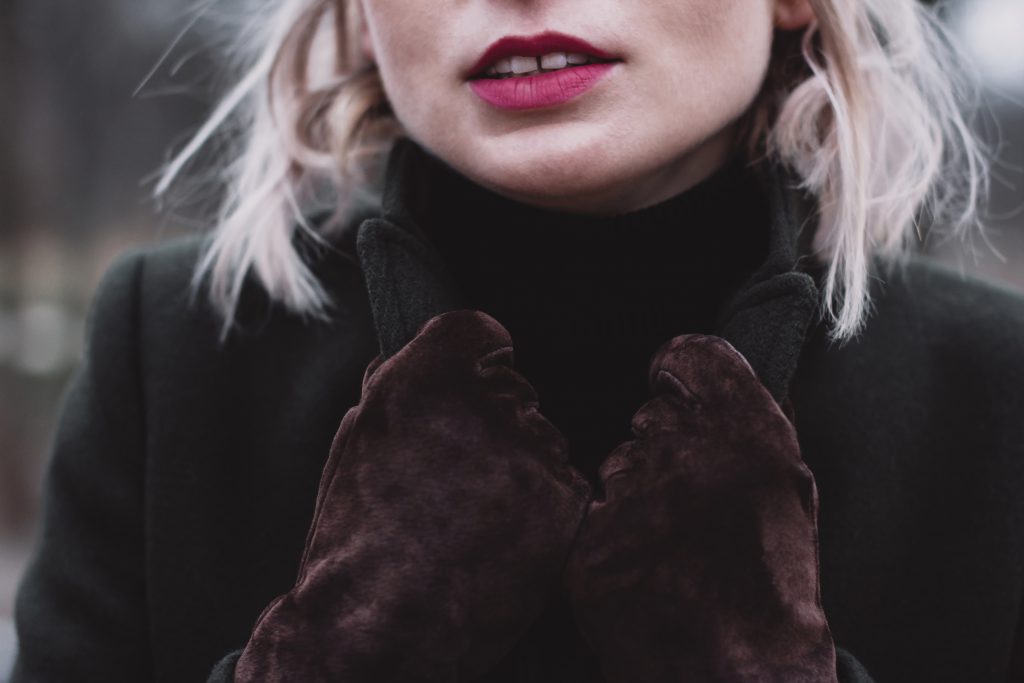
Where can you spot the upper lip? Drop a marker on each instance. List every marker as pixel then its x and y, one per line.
pixel 534 46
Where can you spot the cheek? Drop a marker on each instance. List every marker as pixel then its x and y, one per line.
pixel 715 58
pixel 408 38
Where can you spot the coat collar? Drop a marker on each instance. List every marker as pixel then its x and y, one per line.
pixel 766 318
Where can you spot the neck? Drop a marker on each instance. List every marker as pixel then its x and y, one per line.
pixel 642 191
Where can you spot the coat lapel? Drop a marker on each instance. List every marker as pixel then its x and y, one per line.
pixel 768 317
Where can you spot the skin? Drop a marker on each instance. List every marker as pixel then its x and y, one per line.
pixel 662 122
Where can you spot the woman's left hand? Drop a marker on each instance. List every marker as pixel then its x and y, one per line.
pixel 701 562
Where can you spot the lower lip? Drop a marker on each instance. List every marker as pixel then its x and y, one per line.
pixel 542 90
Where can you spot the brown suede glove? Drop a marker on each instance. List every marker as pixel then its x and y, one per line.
pixel 701 562
pixel 443 520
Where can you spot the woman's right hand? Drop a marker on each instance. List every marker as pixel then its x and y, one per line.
pixel 444 517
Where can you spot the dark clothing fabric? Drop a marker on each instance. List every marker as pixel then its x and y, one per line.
pixel 406 286
pixel 578 291
pixel 183 474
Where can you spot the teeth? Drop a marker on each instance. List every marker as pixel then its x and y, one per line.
pixel 518 66
pixel 556 60
pixel 524 65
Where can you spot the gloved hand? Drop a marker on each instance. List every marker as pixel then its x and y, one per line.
pixel 701 561
pixel 443 520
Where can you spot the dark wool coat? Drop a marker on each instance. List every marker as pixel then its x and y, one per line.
pixel 183 474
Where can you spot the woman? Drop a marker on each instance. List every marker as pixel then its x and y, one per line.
pixel 694 235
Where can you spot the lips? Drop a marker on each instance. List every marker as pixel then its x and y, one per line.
pixel 534 46
pixel 542 90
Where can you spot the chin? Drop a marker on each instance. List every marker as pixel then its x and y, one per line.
pixel 571 177
pixel 558 190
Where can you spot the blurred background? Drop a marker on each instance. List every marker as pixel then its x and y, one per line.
pixel 81 137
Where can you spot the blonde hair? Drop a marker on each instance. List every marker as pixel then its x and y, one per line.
pixel 864 105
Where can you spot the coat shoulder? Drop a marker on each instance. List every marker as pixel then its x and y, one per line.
pixel 932 332
pixel 948 310
pixel 172 302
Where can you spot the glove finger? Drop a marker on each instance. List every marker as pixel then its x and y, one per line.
pixel 666 411
pixel 371 369
pixel 449 346
pixel 711 415
pixel 618 471
pixel 503 380
pixel 708 371
pixel 463 333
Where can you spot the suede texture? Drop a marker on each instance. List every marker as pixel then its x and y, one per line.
pixel 700 562
pixel 443 520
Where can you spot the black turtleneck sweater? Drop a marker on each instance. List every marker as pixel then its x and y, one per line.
pixel 587 299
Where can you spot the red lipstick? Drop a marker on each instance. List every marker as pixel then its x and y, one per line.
pixel 542 89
